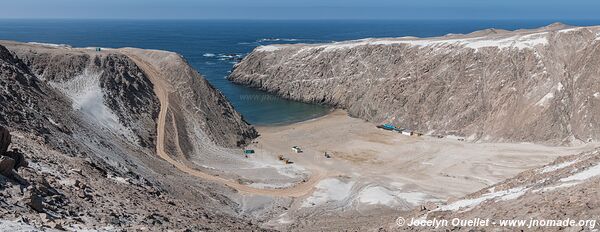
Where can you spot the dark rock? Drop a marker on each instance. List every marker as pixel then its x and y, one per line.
pixel 4 140
pixel 18 157
pixel 6 165
pixel 34 201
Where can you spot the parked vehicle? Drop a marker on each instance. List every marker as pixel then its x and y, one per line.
pixel 296 149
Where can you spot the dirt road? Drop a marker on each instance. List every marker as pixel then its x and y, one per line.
pixel 162 90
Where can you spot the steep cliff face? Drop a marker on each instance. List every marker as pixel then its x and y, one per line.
pixel 24 96
pixel 88 122
pixel 200 112
pixel 536 85
pixel 110 88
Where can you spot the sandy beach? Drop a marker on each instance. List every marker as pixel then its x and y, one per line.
pixel 371 166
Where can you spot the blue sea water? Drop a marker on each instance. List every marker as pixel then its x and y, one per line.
pixel 212 47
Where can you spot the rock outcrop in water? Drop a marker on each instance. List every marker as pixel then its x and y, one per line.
pixel 537 85
pixel 86 121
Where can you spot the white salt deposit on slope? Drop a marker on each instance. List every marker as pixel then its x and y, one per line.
pixel 558 166
pixel 328 190
pixel 520 42
pixel 552 188
pixel 267 48
pixel 284 219
pixel 545 99
pixel 514 193
pixel 517 41
pixel 568 30
pixel 118 179
pixel 549 96
pixel 376 195
pixel 86 94
pixel 584 175
pixel 468 204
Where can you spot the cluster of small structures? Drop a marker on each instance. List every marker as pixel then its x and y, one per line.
pixel 295 149
pixel 285 160
pixel 409 132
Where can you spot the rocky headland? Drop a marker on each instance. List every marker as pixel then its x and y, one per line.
pixel 536 85
pixel 79 141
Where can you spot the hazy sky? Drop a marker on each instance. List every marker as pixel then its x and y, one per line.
pixel 302 9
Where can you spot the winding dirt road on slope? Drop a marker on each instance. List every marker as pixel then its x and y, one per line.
pixel 162 91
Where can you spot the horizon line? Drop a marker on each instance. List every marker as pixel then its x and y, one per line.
pixel 313 19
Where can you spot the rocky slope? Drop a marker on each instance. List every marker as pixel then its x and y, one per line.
pixel 564 189
pixel 86 122
pixel 538 85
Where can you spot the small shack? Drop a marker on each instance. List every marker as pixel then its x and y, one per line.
pixel 407 132
pixel 248 151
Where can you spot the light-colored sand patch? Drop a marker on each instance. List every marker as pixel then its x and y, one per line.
pixel 292 171
pixel 329 190
pixel 413 198
pixel 270 185
pixel 407 168
pixel 378 195
pixel 6 225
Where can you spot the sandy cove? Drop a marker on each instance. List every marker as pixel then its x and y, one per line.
pixel 376 166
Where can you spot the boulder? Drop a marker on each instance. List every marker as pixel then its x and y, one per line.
pixel 4 140
pixel 18 157
pixel 9 160
pixel 6 165
pixel 33 199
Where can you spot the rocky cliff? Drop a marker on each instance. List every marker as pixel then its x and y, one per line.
pixel 87 122
pixel 113 79
pixel 539 85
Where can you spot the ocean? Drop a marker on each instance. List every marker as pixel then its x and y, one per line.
pixel 213 46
